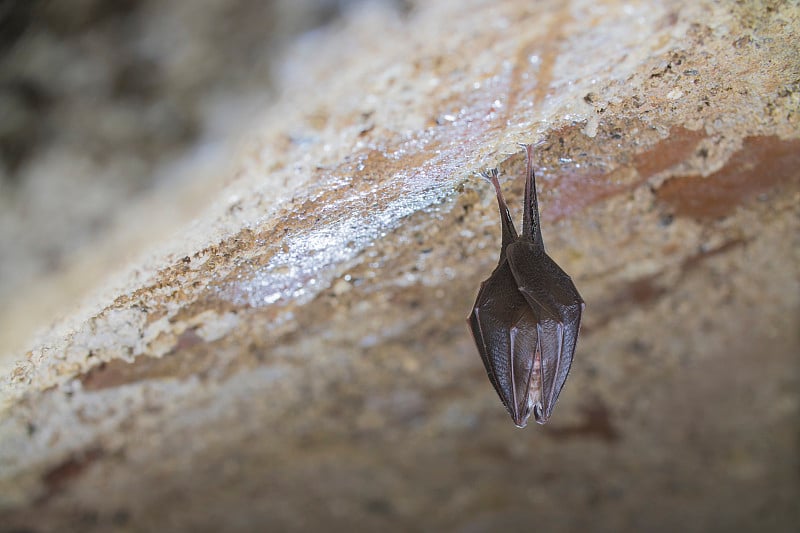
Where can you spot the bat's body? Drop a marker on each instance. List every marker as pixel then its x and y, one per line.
pixel 527 315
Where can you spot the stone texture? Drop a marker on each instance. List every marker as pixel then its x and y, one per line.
pixel 297 358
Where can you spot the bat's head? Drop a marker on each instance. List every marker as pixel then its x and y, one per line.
pixel 532 407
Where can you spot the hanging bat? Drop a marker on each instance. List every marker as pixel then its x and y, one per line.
pixel 527 315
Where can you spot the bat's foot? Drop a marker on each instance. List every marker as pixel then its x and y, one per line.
pixel 489 175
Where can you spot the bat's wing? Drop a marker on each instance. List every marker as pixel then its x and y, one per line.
pixel 506 334
pixel 557 306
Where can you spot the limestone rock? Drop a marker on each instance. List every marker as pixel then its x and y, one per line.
pixel 297 358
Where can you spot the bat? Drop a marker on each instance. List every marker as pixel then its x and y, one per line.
pixel 526 318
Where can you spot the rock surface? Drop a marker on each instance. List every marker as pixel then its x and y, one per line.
pixel 297 357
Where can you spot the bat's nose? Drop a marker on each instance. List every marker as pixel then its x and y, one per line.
pixel 539 415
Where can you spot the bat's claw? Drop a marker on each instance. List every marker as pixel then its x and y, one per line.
pixel 488 175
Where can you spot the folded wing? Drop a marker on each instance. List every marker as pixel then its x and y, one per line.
pixel 556 307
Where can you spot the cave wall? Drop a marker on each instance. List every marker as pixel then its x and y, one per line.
pixel 296 357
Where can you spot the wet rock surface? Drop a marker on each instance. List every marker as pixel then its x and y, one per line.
pixel 297 357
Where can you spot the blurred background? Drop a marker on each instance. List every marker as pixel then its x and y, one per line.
pixel 104 103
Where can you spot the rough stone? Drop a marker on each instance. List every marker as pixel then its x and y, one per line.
pixel 297 358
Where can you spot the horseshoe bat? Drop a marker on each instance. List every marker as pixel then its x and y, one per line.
pixel 526 318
